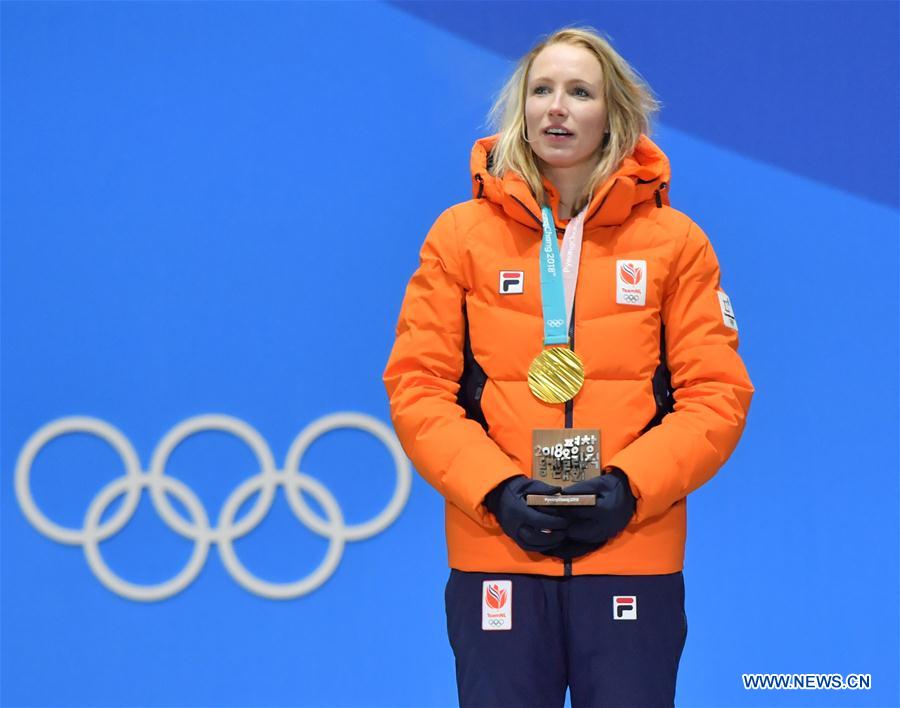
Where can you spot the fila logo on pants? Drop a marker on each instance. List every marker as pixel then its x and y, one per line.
pixel 625 607
pixel 512 282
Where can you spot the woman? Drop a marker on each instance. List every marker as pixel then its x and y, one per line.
pixel 631 343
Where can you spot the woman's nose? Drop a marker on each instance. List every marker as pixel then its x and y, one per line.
pixel 557 107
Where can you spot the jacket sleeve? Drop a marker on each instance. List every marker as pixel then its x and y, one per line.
pixel 452 452
pixel 711 384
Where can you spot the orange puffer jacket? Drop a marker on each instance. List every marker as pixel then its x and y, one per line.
pixel 454 300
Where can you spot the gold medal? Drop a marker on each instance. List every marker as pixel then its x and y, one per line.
pixel 556 375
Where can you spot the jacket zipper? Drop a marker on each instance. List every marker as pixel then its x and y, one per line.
pixel 570 405
pixel 570 412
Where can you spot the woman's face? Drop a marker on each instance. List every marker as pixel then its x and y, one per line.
pixel 564 94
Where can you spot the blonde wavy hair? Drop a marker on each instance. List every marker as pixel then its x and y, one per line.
pixel 630 106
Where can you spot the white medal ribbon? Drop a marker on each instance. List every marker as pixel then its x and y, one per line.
pixel 571 259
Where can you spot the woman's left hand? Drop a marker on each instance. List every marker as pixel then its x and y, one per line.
pixel 594 525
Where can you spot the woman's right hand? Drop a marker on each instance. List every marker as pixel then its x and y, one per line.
pixel 532 530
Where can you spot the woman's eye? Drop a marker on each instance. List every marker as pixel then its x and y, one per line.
pixel 541 89
pixel 582 92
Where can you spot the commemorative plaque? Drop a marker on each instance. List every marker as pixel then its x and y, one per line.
pixel 562 457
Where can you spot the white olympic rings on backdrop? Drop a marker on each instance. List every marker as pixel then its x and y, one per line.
pixel 198 528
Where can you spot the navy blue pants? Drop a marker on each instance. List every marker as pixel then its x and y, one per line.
pixel 614 640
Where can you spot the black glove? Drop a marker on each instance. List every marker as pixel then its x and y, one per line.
pixel 594 525
pixel 522 523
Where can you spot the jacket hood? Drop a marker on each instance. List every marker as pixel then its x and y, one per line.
pixel 642 176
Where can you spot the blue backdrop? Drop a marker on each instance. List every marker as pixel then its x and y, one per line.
pixel 215 208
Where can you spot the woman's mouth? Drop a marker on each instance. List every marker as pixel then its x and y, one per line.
pixel 558 135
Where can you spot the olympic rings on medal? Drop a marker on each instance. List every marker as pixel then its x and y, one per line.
pixel 198 528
